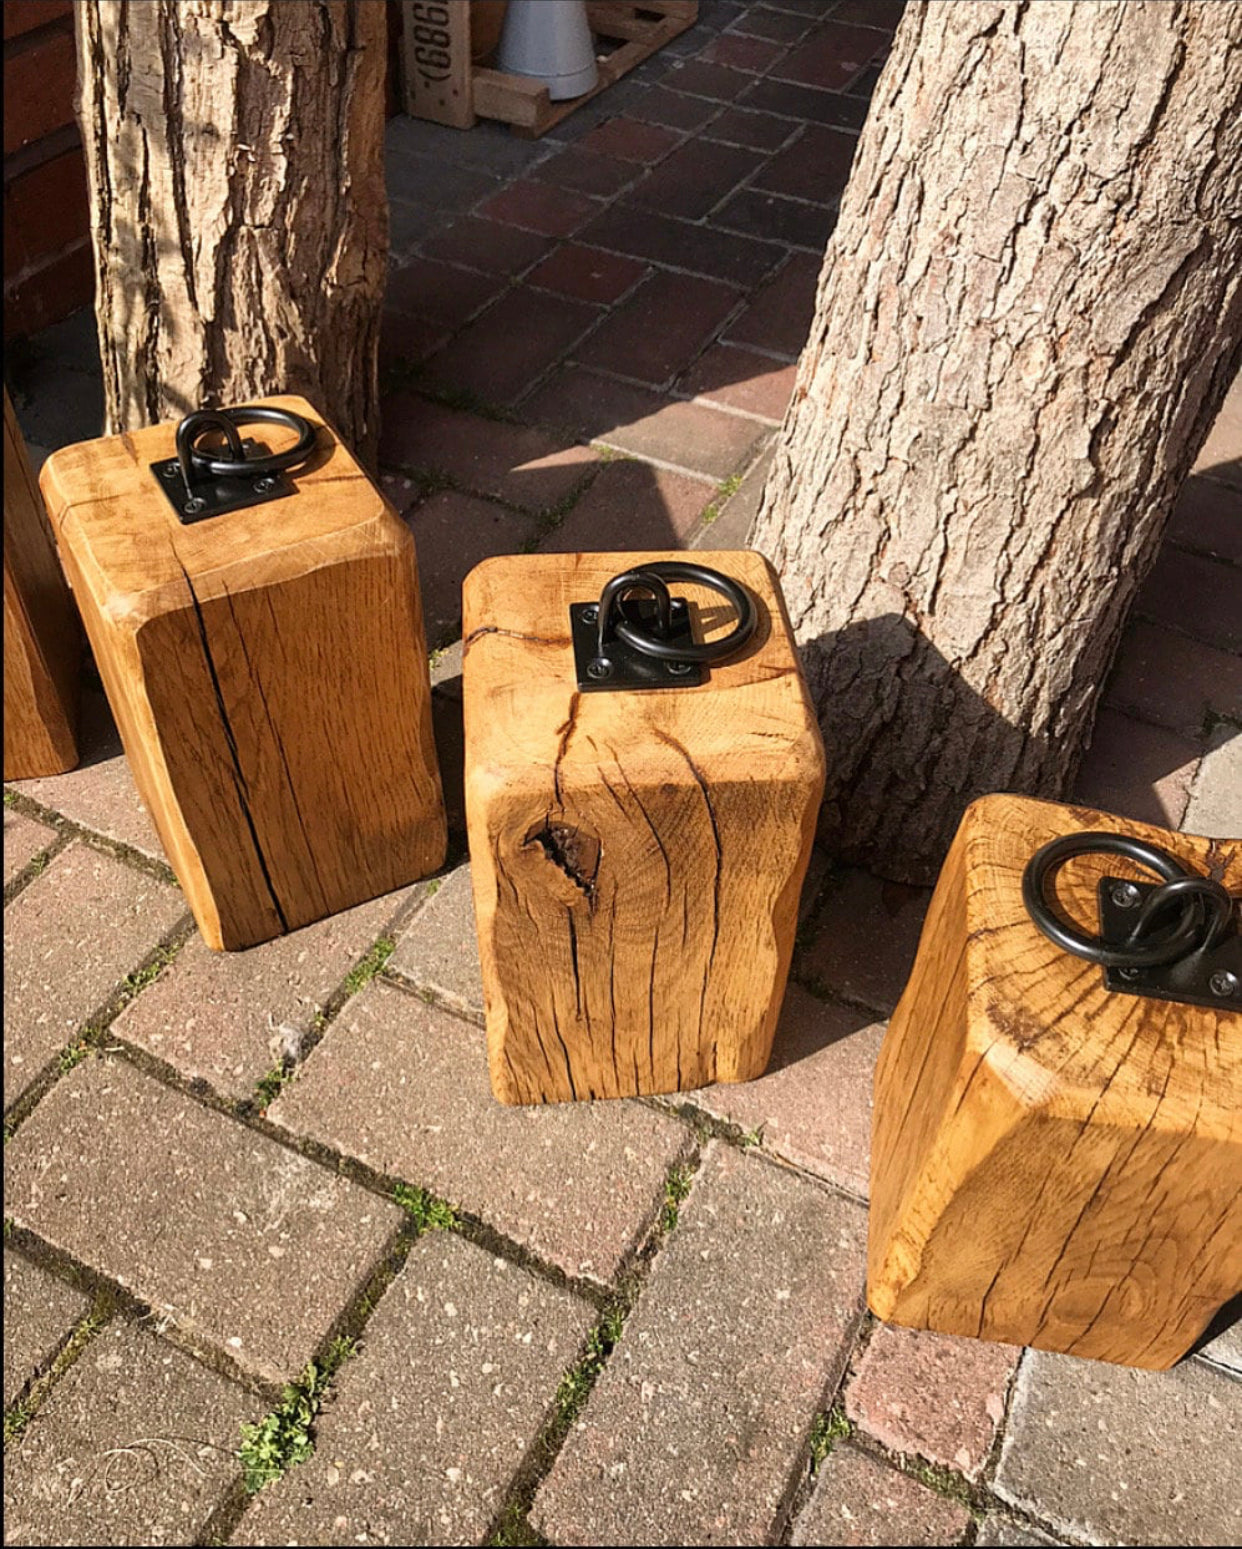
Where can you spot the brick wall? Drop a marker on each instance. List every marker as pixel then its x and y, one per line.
pixel 48 269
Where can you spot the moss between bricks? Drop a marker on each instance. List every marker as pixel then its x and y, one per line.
pixel 828 1429
pixel 362 974
pixel 676 1188
pixel 283 1438
pixel 21 1414
pixel 427 1211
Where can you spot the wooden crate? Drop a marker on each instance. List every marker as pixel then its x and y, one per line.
pixel 444 85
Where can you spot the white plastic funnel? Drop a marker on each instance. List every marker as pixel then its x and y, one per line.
pixel 550 41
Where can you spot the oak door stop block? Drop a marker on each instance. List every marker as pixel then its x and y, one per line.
pixel 268 673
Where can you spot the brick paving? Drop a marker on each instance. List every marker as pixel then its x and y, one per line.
pixel 40 1313
pixel 433 1418
pixel 932 1396
pixel 218 1149
pixel 859 1500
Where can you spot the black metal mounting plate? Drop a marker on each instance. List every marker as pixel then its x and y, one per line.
pixel 1188 981
pixel 219 495
pixel 632 669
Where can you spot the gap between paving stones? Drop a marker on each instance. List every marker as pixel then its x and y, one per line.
pixel 90 1035
pixel 60 839
pixel 18 801
pixel 36 1389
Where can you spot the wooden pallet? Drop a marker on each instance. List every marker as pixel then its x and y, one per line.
pixel 443 84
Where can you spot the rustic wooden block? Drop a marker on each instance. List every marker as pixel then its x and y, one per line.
pixel 42 644
pixel 268 673
pixel 637 856
pixel 1053 1163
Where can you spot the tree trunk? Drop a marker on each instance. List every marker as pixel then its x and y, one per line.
pixel 1029 313
pixel 234 152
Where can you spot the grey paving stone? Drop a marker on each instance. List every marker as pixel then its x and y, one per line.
pixel 439 949
pixel 39 1312
pixel 100 793
pixel 1225 1350
pixel 699 1416
pixel 403 1086
pixel 431 1420
pixel 731 529
pixel 229 1017
pixel 242 1243
pixel 1005 1533
pixel 69 939
pixel 1110 1454
pixel 813 1104
pixel 858 1500
pixel 1215 805
pixel 23 839
pixel 136 1445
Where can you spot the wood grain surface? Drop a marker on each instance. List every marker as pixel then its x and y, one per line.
pixel 42 641
pixel 268 673
pixel 1053 1163
pixel 637 856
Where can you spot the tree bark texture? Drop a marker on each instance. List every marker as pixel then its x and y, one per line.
pixel 234 152
pixel 1029 313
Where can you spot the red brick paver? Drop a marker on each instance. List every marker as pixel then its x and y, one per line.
pixel 739 379
pixel 588 274
pixel 815 167
pixel 813 1104
pixel 492 246
pixel 99 794
pixel 1137 770
pixel 661 328
pixel 230 1017
pixel 553 212
pixel 630 139
pixel 779 318
pixel 933 1395
pixel 1177 682
pixel 632 505
pixel 634 419
pixel 514 463
pixel 692 180
pixel 831 57
pixel 452 534
pixel 867 932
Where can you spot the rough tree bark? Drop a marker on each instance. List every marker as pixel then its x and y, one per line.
pixel 1029 313
pixel 234 152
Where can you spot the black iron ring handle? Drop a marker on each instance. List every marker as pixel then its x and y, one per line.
pixel 652 578
pixel 1179 886
pixel 237 464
